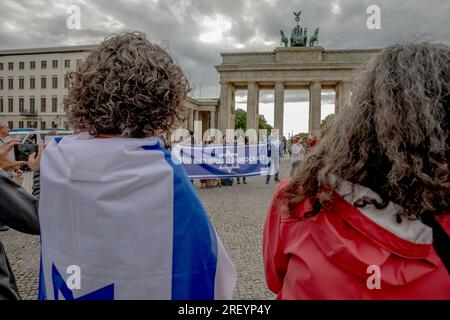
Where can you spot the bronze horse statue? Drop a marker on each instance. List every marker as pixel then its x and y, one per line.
pixel 314 39
pixel 284 39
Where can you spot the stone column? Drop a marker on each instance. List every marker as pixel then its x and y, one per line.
pixel 226 107
pixel 213 120
pixel 204 117
pixel 191 120
pixel 343 90
pixel 279 107
pixel 315 101
pixel 253 106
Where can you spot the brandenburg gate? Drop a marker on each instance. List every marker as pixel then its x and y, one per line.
pixel 312 68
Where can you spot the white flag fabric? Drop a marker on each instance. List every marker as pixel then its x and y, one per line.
pixel 123 217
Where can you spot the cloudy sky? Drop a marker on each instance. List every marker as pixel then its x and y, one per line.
pixel 196 31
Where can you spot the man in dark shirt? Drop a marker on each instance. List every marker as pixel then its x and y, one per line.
pixel 18 210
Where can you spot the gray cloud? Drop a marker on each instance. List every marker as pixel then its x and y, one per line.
pixel 255 24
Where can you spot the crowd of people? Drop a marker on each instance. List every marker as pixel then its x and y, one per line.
pixel 373 192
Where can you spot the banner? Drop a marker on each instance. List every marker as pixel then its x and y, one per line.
pixel 222 161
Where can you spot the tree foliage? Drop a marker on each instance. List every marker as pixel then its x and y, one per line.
pixel 241 121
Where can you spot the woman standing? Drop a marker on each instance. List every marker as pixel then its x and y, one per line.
pixel 367 215
pixel 298 154
pixel 113 201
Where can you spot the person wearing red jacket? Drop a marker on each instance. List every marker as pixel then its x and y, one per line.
pixel 366 215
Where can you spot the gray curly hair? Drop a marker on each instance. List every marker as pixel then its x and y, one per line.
pixel 127 86
pixel 392 138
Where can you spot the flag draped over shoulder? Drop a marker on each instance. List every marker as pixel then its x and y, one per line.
pixel 123 213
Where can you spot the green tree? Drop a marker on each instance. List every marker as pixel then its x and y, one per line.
pixel 264 125
pixel 240 119
pixel 326 123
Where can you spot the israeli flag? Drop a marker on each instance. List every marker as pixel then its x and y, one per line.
pixel 119 220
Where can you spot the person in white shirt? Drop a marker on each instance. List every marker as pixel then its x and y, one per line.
pixel 298 154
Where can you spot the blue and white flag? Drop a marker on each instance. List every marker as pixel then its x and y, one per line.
pixel 123 217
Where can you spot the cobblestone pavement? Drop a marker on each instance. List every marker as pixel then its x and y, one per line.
pixel 237 212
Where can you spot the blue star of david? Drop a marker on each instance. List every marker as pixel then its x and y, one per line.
pixel 59 285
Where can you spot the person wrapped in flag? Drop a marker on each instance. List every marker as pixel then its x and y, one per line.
pixel 119 219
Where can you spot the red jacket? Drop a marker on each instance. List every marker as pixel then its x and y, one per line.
pixel 328 256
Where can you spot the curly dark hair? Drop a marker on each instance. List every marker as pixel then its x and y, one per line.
pixel 393 137
pixel 127 86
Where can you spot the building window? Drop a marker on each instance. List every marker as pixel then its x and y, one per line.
pixel 43 105
pixel 66 82
pixel 66 125
pixel 55 82
pixel 44 64
pixel 1 66
pixel 43 125
pixel 32 83
pixel 11 124
pixel 43 83
pixel 10 65
pixel 21 105
pixel 10 105
pixel 54 125
pixel 1 84
pixel 1 104
pixel 32 64
pixel 21 65
pixel 21 124
pixel 54 104
pixel 78 62
pixel 67 63
pixel 32 106
pixel 29 124
pixel 21 83
pixel 55 64
pixel 10 84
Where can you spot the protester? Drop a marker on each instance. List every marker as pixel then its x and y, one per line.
pixel 285 145
pixel 226 182
pixel 367 216
pixel 18 210
pixel 208 183
pixel 244 180
pixel 274 151
pixel 312 142
pixel 7 163
pixel 290 143
pixel 298 154
pixel 4 137
pixel 113 202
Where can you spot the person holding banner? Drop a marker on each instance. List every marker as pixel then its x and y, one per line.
pixel 274 151
pixel 114 206
pixel 244 180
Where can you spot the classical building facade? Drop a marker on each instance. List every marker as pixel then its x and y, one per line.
pixel 33 86
pixel 201 109
pixel 311 68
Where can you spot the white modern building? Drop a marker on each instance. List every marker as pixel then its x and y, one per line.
pixel 33 86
